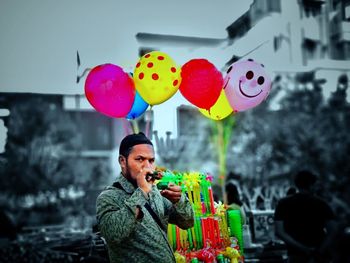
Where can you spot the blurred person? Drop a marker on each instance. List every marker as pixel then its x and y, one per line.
pixel 291 191
pixel 133 214
pixel 301 221
pixel 234 201
pixel 340 241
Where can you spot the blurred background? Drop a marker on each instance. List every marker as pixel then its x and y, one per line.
pixel 57 153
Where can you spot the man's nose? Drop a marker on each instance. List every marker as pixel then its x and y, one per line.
pixel 147 164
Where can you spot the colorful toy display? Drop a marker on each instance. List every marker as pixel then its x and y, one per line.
pixel 235 226
pixel 246 85
pixel 213 237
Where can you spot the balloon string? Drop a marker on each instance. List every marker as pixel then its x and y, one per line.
pixel 135 126
pixel 126 126
pixel 148 121
pixel 147 128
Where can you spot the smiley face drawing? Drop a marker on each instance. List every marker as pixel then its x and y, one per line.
pixel 246 85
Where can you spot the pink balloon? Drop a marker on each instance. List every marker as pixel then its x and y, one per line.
pixel 110 90
pixel 246 85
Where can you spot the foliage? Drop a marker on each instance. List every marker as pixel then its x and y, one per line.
pixel 307 132
pixel 42 149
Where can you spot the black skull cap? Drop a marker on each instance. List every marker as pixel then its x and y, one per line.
pixel 132 140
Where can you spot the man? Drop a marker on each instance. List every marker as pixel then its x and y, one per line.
pixel 301 220
pixel 133 214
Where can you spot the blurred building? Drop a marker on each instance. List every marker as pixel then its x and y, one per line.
pixel 300 36
pixel 298 31
pixel 102 134
pixel 190 121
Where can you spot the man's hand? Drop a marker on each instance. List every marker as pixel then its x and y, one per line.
pixel 173 193
pixel 141 181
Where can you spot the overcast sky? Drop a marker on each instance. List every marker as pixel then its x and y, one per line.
pixel 39 39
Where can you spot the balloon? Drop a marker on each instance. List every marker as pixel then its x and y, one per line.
pixel 138 108
pixel 246 85
pixel 156 77
pixel 110 90
pixel 201 83
pixel 220 110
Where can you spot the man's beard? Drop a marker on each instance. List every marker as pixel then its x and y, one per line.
pixel 127 175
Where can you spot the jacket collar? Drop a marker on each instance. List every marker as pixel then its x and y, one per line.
pixel 126 185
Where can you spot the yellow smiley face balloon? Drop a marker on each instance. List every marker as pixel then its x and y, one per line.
pixel 156 77
pixel 220 110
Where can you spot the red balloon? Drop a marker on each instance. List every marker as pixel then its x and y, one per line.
pixel 110 90
pixel 201 83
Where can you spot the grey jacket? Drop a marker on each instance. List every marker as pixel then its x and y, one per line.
pixel 139 240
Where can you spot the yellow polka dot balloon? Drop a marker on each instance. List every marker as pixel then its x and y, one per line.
pixel 156 77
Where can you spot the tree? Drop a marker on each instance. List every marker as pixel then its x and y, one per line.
pixel 39 135
pixel 307 132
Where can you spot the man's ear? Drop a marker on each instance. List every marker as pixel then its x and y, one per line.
pixel 122 161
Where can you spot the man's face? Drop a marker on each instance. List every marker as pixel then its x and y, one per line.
pixel 140 157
